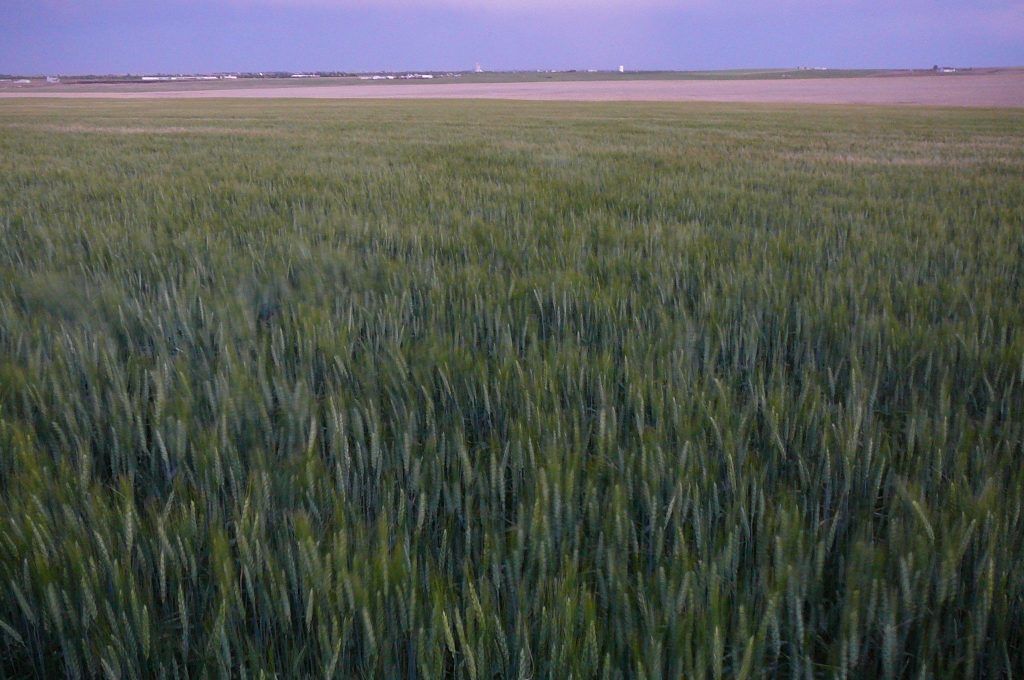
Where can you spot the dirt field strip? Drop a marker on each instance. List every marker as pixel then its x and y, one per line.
pixel 1003 90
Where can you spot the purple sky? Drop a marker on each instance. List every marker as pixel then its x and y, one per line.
pixel 119 36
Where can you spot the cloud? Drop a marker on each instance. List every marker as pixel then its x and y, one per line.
pixel 482 5
pixel 468 5
pixel 1000 19
pixel 1004 22
pixel 995 13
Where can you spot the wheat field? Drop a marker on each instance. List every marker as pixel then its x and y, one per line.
pixel 510 390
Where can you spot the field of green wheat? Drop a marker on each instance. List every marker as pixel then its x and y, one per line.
pixel 510 390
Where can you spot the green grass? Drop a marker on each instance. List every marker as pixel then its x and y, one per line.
pixel 510 390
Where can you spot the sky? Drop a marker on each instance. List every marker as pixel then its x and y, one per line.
pixel 186 36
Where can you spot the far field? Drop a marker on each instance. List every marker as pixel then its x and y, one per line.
pixel 977 88
pixel 507 389
pixel 130 82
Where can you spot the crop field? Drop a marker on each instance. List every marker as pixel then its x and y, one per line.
pixel 988 88
pixel 112 85
pixel 510 390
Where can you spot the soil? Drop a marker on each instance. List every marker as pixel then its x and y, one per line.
pixel 991 90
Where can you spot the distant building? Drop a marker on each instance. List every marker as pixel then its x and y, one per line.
pixel 622 69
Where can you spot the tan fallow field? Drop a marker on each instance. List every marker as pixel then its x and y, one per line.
pixel 1003 89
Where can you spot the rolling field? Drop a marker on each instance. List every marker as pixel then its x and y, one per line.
pixel 493 389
